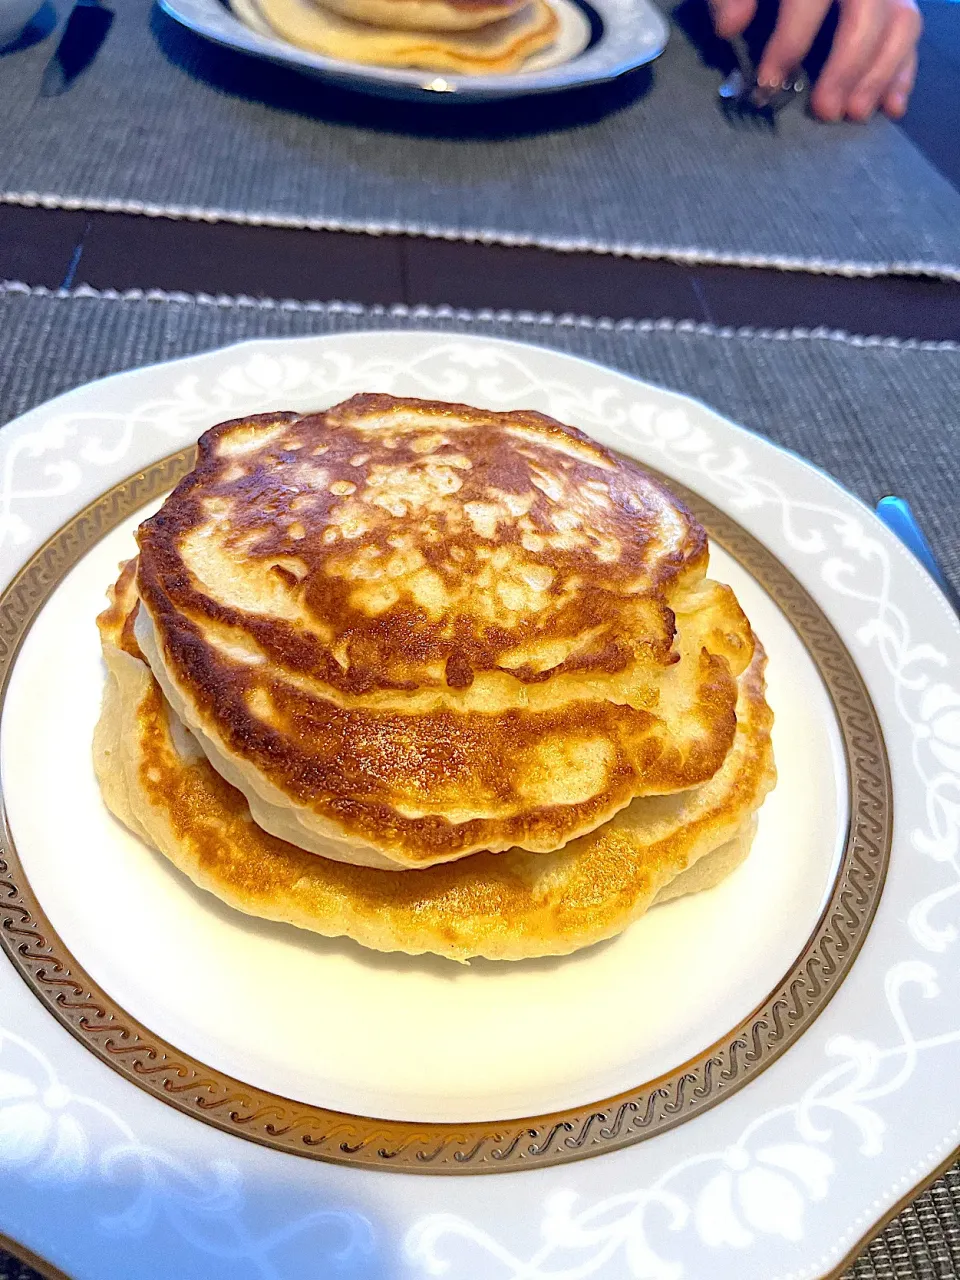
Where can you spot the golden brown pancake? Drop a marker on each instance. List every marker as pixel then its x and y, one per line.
pixel 409 631
pixel 494 47
pixel 511 905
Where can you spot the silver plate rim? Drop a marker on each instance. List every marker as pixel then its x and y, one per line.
pixel 634 33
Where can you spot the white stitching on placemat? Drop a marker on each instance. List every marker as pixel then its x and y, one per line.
pixel 691 256
pixel 543 319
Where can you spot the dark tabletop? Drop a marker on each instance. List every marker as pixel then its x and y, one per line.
pixel 57 248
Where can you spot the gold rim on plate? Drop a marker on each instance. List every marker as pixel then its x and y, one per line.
pixel 243 1110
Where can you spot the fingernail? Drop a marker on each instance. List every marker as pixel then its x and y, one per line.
pixel 769 78
pixel 898 103
pixel 829 106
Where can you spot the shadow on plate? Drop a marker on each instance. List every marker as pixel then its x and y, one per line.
pixel 286 89
pixel 37 29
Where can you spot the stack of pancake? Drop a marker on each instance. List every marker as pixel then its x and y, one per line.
pixel 470 37
pixel 435 678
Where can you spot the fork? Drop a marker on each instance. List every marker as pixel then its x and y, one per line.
pixel 744 98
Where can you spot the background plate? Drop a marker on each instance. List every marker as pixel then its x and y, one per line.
pixel 632 34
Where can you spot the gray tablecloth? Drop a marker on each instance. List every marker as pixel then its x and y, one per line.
pixel 166 122
pixel 881 416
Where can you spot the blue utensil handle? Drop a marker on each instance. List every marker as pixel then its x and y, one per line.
pixel 897 515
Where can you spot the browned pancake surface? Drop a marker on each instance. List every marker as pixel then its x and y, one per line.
pixel 436 628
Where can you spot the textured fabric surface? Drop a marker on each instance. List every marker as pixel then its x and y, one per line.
pixel 12 1269
pixel 647 166
pixel 880 417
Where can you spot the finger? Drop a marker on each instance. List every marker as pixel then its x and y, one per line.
pixel 797 25
pixel 732 17
pixel 898 44
pixel 898 95
pixel 860 34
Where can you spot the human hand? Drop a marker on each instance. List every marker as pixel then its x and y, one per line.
pixel 872 64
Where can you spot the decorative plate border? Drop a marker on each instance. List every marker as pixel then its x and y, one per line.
pixel 53 975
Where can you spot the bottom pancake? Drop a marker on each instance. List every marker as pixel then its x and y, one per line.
pixel 506 906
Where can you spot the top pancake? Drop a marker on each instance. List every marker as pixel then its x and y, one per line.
pixel 409 630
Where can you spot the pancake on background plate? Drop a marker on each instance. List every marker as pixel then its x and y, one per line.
pixel 499 45
pixel 433 677
pixel 426 15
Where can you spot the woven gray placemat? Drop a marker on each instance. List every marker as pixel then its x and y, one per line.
pixel 12 1268
pixel 879 415
pixel 165 121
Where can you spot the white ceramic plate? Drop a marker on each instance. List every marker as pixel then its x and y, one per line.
pixel 781 1179
pixel 629 34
